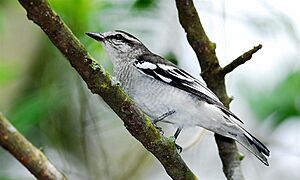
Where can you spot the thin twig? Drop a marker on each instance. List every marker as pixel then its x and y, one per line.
pixel 240 60
pixel 31 157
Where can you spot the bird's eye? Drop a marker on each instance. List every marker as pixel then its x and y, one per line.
pixel 118 37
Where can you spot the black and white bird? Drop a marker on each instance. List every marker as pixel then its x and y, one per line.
pixel 169 94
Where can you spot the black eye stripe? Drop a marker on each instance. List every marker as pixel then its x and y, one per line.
pixel 119 37
pixel 129 35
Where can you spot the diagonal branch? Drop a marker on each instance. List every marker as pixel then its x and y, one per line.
pixel 205 51
pixel 99 82
pixel 31 157
pixel 240 60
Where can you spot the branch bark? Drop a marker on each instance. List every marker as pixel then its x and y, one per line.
pixel 99 82
pixel 213 75
pixel 31 157
pixel 240 60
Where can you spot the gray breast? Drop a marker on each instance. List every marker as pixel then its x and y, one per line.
pixel 149 93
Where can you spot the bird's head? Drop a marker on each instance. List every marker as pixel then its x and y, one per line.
pixel 119 44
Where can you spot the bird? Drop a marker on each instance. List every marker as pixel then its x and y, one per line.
pixel 167 93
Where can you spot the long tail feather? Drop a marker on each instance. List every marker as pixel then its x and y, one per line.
pixel 254 146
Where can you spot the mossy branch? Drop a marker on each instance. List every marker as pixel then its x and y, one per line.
pixel 213 75
pixel 99 82
pixel 30 156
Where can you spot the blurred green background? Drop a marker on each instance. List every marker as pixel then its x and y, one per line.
pixel 48 102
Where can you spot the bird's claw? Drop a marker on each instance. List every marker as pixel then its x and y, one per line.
pixel 159 129
pixel 179 148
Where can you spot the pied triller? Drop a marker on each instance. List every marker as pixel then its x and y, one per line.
pixel 169 94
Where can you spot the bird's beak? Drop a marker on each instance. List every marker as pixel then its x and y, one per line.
pixel 96 36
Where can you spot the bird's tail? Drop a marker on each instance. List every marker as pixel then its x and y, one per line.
pixel 254 146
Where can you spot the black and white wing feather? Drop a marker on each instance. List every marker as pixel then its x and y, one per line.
pixel 160 69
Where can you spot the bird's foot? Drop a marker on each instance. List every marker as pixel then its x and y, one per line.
pixel 173 139
pixel 161 131
pixel 179 148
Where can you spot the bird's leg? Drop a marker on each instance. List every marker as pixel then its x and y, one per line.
pixel 155 121
pixel 175 137
pixel 177 133
pixel 162 117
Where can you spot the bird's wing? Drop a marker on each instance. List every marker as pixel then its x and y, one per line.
pixel 163 70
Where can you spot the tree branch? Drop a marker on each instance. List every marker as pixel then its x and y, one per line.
pixel 240 60
pixel 31 157
pixel 205 51
pixel 99 82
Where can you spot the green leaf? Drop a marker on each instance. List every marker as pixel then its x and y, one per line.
pixel 75 13
pixel 34 108
pixel 144 4
pixel 171 57
pixel 8 72
pixel 283 102
pixel 5 178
